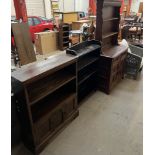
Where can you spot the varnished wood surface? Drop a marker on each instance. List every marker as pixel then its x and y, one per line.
pixel 114 51
pixel 39 69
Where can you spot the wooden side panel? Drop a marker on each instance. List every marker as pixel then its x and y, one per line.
pixel 70 17
pixel 141 7
pixel 99 20
pixel 23 43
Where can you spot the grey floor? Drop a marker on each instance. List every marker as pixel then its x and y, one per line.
pixel 107 125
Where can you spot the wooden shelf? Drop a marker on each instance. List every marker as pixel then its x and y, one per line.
pixel 111 19
pixel 50 105
pixel 84 63
pixel 87 87
pixel 86 76
pixel 65 26
pixel 65 31
pixel 65 36
pixel 41 89
pixel 109 35
pixel 114 51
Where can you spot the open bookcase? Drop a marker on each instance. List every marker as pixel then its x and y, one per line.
pixel 47 98
pixel 63 36
pixel 88 54
pixel 113 55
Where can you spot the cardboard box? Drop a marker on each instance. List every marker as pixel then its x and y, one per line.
pixel 46 42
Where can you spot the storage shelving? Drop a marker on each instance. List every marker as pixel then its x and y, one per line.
pixel 64 36
pixel 47 98
pixel 113 55
pixel 88 54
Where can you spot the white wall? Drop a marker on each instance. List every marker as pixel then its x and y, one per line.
pixel 73 5
pixel 64 5
pixel 12 9
pixel 135 5
pixel 48 10
pixel 61 5
pixel 82 5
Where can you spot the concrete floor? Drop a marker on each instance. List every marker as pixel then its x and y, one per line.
pixel 107 125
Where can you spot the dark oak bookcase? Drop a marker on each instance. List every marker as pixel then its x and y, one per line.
pixel 113 55
pixel 63 36
pixel 46 98
pixel 88 54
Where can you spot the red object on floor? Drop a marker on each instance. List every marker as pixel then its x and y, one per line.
pixel 92 7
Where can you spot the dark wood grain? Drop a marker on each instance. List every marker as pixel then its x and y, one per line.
pixel 111 63
pixel 114 51
pixel 88 54
pixel 47 99
pixel 30 72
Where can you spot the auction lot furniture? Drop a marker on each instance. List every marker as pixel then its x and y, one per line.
pixel 88 54
pixel 46 98
pixel 111 67
pixel 49 92
pixel 63 36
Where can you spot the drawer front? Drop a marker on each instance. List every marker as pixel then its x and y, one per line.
pixel 68 107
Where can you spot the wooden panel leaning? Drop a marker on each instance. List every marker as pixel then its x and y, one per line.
pixel 23 43
pixel 46 98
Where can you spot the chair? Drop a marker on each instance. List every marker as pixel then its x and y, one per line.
pixel 134 64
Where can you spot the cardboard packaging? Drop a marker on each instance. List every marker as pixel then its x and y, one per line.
pixel 46 42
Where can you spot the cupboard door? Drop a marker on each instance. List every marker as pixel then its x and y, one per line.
pixel 56 119
pixel 47 125
pixel 68 107
pixel 42 130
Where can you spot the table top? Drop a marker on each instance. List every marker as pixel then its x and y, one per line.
pixel 38 69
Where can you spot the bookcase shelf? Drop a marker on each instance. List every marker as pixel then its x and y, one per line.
pixel 52 102
pixel 88 54
pixel 63 34
pixel 110 19
pixel 86 62
pixel 107 28
pixel 110 34
pixel 85 77
pixel 42 89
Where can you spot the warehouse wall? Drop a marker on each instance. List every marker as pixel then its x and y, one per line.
pixel 48 10
pixel 74 5
pixel 12 8
pixel 135 5
pixel 43 8
pixel 34 7
pixel 82 5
